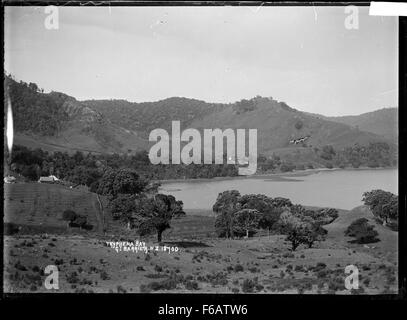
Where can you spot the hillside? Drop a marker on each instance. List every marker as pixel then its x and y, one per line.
pixel 146 116
pixel 57 122
pixel 383 122
pixel 38 207
pixel 387 246
pixel 277 123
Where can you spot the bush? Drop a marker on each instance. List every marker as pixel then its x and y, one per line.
pixel 300 167
pixel 80 221
pixel 362 231
pixel 219 278
pixel 72 278
pixel 69 215
pixel 191 285
pixel 11 228
pixel 248 285
pixel 104 275
pixel 167 284
pixel 287 167
pixel 238 268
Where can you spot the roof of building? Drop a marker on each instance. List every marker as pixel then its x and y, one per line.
pixel 46 179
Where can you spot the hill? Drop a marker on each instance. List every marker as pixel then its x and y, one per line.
pixel 386 247
pixel 276 122
pixel 383 122
pixel 57 122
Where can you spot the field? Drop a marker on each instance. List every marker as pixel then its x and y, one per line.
pixel 202 264
pixel 38 206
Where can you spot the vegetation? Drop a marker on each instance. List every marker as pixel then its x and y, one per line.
pixel 87 169
pixel 122 181
pixel 362 231
pixel 247 220
pixel 69 216
pixel 384 206
pixel 136 202
pixel 242 215
pixel 373 155
pixel 304 226
pixel 33 110
pixel 154 214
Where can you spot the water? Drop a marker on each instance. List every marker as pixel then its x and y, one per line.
pixel 338 188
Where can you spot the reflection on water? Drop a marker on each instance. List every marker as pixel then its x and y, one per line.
pixel 340 188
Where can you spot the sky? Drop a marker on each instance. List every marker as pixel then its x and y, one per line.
pixel 303 56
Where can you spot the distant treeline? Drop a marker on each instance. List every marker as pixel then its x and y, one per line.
pixel 87 169
pixel 374 155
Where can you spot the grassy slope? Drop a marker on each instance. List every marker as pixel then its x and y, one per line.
pixel 387 246
pixel 43 204
pixel 38 206
pixel 382 122
pixel 276 127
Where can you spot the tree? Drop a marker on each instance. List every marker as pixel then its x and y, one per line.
pixel 296 236
pixel 225 206
pixel 298 124
pixel 122 181
pixel 269 218
pixel 124 207
pixel 31 172
pixel 291 225
pixel 300 230
pixel 312 233
pixel 247 220
pixel 270 209
pixel 69 216
pixel 383 204
pixel 33 86
pixel 154 214
pixel 327 152
pixel 84 175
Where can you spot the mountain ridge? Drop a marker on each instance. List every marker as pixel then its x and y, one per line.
pixel 56 121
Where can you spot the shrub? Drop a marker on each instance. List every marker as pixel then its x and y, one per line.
pixel 218 278
pixel 11 228
pixel 191 285
pixel 120 289
pixel 287 167
pixel 254 269
pixel 248 285
pixel 20 267
pixel 238 268
pixel 69 215
pixel 80 221
pixel 104 275
pixel 362 231
pixel 167 284
pixel 72 277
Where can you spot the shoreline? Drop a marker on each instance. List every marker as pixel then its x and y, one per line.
pixel 278 175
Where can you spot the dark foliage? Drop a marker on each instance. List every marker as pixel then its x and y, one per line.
pixel 362 231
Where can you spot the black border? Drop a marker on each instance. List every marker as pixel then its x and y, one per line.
pixel 259 304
